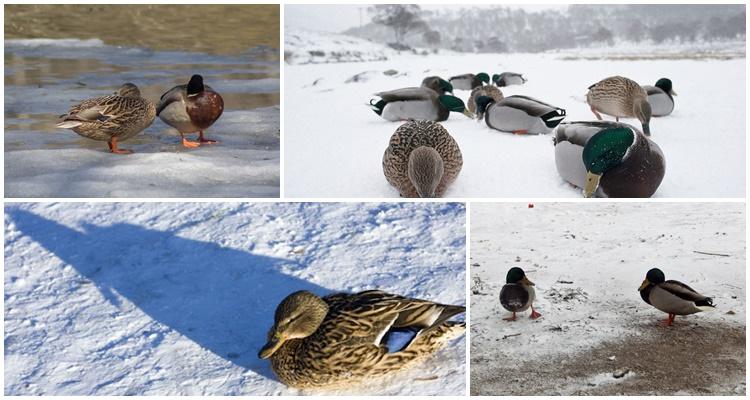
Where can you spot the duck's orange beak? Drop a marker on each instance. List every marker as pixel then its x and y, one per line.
pixel 526 281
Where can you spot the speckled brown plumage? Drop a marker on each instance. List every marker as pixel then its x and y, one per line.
pixel 615 96
pixel 345 349
pixel 410 136
pixel 489 91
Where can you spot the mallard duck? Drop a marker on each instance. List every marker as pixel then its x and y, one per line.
pixel 191 108
pixel 342 339
pixel 469 81
pixel 672 297
pixel 422 159
pixel 508 78
pixel 660 97
pixel 620 97
pixel 518 294
pixel 609 159
pixel 488 91
pixel 520 114
pixel 417 103
pixel 438 84
pixel 112 118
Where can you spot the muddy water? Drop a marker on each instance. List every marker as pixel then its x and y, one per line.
pixel 57 55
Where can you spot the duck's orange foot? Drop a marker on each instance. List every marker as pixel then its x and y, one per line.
pixel 189 144
pixel 121 151
pixel 534 314
pixel 511 318
pixel 668 321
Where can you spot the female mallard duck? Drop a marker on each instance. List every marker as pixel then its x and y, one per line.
pixel 672 297
pixel 417 103
pixel 112 118
pixel 518 294
pixel 660 97
pixel 520 114
pixel 620 97
pixel 609 159
pixel 191 108
pixel 422 159
pixel 469 81
pixel 507 79
pixel 488 91
pixel 438 84
pixel 341 339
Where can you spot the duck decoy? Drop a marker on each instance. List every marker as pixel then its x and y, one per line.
pixel 422 159
pixel 621 98
pixel 191 108
pixel 518 294
pixel 114 118
pixel 609 159
pixel 672 297
pixel 342 339
pixel 520 114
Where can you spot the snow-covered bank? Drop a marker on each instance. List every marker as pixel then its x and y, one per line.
pixel 587 261
pixel 335 143
pixel 176 299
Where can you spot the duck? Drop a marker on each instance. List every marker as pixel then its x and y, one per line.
pixel 518 294
pixel 469 81
pixel 438 84
pixel 191 108
pixel 422 159
pixel 342 339
pixel 660 97
pixel 417 103
pixel 672 297
pixel 488 91
pixel 608 159
pixel 520 114
pixel 620 97
pixel 113 118
pixel 508 79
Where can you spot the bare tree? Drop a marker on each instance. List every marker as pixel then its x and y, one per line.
pixel 402 18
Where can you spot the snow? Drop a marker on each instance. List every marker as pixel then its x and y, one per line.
pixel 177 298
pixel 334 143
pixel 587 262
pixel 44 77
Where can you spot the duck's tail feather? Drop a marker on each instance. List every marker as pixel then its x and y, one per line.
pixel 378 106
pixel 706 304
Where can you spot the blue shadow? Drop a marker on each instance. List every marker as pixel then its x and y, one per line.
pixel 222 299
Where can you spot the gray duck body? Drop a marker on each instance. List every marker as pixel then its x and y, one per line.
pixel 674 297
pixel 465 81
pixel 524 115
pixel 508 79
pixel 639 175
pixel 412 103
pixel 662 103
pixel 413 135
pixel 517 297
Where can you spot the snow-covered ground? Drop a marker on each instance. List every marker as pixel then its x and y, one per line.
pixel 176 299
pixel 587 261
pixel 334 143
pixel 44 77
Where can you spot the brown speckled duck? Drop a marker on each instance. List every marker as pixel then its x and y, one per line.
pixel 342 339
pixel 621 98
pixel 422 159
pixel 112 118
pixel 488 91
pixel 191 108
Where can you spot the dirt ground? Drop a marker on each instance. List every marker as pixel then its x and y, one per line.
pixel 685 359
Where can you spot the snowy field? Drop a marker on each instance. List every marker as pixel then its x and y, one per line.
pixel 176 299
pixel 44 77
pixel 335 143
pixel 587 261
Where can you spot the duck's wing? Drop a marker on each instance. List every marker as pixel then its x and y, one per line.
pixel 685 292
pixel 407 94
pixel 175 94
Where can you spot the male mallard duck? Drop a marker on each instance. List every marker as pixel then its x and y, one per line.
pixel 672 297
pixel 520 114
pixel 620 97
pixel 660 97
pixel 469 81
pixel 438 84
pixel 112 118
pixel 508 78
pixel 608 158
pixel 191 108
pixel 488 91
pixel 422 159
pixel 417 103
pixel 518 294
pixel 342 339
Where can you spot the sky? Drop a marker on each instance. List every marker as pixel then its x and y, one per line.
pixel 338 18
